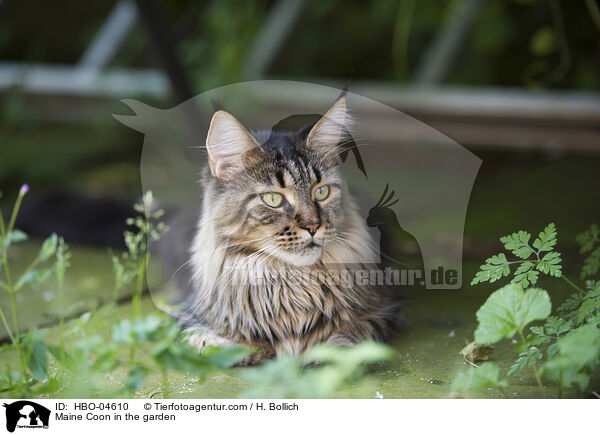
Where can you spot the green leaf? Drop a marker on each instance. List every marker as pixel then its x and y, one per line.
pixel 122 332
pixel 525 275
pixel 15 236
pixel 592 285
pixel 9 380
pixel 145 328
pixel 38 361
pixel 135 377
pixel 33 276
pixel 538 337
pixel 591 264
pixel 547 239
pixel 486 375
pixel 519 364
pixel 62 356
pixel 225 357
pixel 557 325
pixel 587 241
pixel 590 306
pixel 88 344
pixel 493 269
pixel 508 310
pixel 518 244
pixel 588 238
pixel 351 357
pixel 524 361
pixel 552 350
pixel 48 248
pixel 578 353
pixel 568 308
pixel 550 264
pixel 288 377
pixel 183 358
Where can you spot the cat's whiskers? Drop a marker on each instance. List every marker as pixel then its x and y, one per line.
pixel 373 248
pixel 336 151
pixel 271 255
pixel 181 267
pixel 350 241
pixel 245 242
pixel 246 259
pixel 353 236
pixel 357 142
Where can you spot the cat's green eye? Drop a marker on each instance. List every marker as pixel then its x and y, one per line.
pixel 272 199
pixel 321 193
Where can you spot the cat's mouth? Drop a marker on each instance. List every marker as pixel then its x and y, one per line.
pixel 306 255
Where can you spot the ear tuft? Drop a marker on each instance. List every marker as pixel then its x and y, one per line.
pixel 227 143
pixel 333 126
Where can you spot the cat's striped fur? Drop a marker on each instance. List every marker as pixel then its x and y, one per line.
pixel 251 262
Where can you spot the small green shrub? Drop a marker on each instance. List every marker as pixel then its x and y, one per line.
pixel 287 377
pixel 97 353
pixel 567 344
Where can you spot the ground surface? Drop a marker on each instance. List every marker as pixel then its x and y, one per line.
pixel 512 192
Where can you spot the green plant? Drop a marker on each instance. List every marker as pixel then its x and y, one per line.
pixel 90 352
pixel 134 261
pixel 485 376
pixel 567 343
pixel 27 347
pixel 288 377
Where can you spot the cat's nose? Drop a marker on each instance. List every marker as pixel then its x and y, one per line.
pixel 311 227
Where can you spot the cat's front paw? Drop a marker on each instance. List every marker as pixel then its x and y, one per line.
pixel 202 338
pixel 256 358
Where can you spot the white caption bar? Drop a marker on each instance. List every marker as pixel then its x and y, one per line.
pixel 296 416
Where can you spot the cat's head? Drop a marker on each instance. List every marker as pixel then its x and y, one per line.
pixel 278 195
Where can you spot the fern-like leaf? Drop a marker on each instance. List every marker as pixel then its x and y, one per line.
pixel 547 239
pixel 518 244
pixel 591 265
pixel 590 306
pixel 550 264
pixel 493 269
pixel 588 238
pixel 525 275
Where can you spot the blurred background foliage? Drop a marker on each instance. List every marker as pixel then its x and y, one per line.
pixel 531 43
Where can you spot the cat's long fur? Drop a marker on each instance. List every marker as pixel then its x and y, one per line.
pixel 249 293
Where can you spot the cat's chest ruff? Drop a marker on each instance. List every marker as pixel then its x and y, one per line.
pixel 289 306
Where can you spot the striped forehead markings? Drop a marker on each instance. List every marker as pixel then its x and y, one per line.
pixel 280 179
pixel 316 173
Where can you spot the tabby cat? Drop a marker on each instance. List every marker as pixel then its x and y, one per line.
pixel 276 209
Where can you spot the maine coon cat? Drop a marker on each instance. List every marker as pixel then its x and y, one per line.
pixel 276 217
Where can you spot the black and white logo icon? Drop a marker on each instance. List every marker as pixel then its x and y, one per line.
pixel 25 414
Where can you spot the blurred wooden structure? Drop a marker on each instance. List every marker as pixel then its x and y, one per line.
pixel 564 121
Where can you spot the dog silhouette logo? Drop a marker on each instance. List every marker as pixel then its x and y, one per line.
pixel 26 414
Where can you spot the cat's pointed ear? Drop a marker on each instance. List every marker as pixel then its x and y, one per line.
pixel 333 126
pixel 228 144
